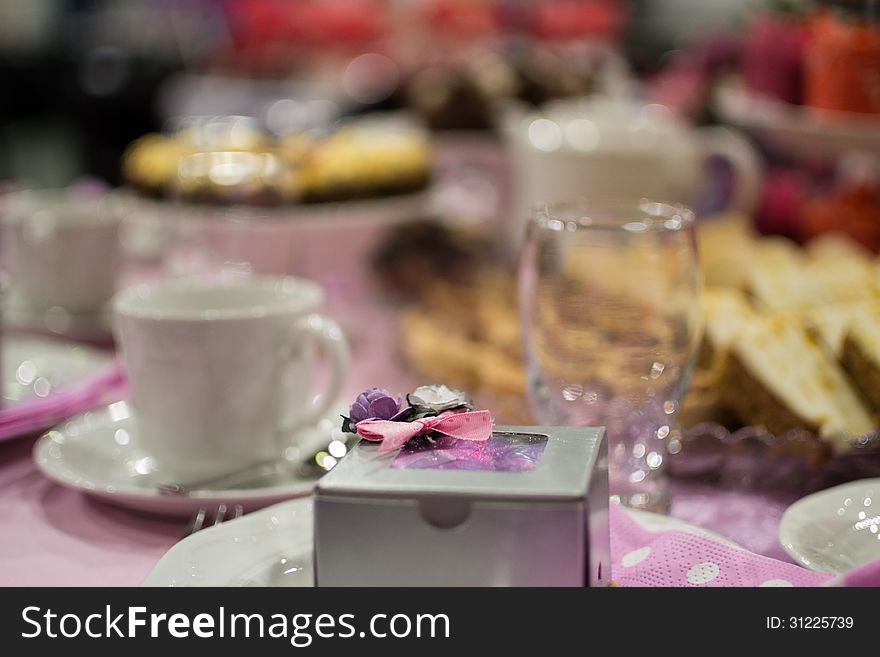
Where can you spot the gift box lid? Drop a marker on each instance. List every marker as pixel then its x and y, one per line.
pixel 562 471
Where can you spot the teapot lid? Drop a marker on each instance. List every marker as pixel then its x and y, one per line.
pixel 599 123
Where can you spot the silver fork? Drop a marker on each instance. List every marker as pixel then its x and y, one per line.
pixel 211 518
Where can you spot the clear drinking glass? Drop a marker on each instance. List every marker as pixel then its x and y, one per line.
pixel 609 308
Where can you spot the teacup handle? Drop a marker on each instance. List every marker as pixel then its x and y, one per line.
pixel 743 158
pixel 335 348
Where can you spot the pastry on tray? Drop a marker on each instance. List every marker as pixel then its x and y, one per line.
pixel 778 376
pixel 725 246
pixel 362 161
pixel 787 335
pixel 860 353
pixel 831 321
pixel 784 277
pixel 725 312
pixel 705 403
pixel 776 280
pixel 226 161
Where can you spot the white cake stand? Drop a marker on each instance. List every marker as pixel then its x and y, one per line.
pixel 794 130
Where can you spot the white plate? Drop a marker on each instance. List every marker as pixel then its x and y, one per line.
pixel 273 547
pixel 96 453
pixel 270 547
pixel 797 130
pixel 834 530
pixel 96 327
pixel 45 381
pixel 380 211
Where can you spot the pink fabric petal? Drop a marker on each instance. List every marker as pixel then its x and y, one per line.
pixel 391 434
pixel 370 430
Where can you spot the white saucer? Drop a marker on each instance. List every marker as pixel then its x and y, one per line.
pixel 35 367
pixel 96 453
pixel 91 327
pixel 273 547
pixel 834 530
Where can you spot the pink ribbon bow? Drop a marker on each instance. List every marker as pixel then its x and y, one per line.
pixel 473 425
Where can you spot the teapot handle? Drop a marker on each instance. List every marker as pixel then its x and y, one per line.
pixel 745 161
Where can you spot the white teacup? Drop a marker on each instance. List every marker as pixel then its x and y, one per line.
pixel 62 249
pixel 220 372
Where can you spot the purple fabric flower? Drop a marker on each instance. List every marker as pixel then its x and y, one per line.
pixel 374 404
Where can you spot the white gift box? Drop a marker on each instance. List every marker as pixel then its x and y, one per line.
pixel 527 508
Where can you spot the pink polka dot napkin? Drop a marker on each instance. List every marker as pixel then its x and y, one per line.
pixel 640 557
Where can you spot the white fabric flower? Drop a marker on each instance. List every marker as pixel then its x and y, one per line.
pixel 438 398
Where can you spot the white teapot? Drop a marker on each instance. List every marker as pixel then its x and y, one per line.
pixel 606 148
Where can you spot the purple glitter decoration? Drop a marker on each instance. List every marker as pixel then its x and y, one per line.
pixel 498 454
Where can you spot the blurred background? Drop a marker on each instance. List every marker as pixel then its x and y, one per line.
pixel 84 78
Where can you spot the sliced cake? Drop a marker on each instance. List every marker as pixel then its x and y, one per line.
pixel 703 402
pixel 726 245
pixel 840 270
pixel 785 278
pixel 725 311
pixel 860 353
pixel 776 280
pixel 831 322
pixel 777 375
